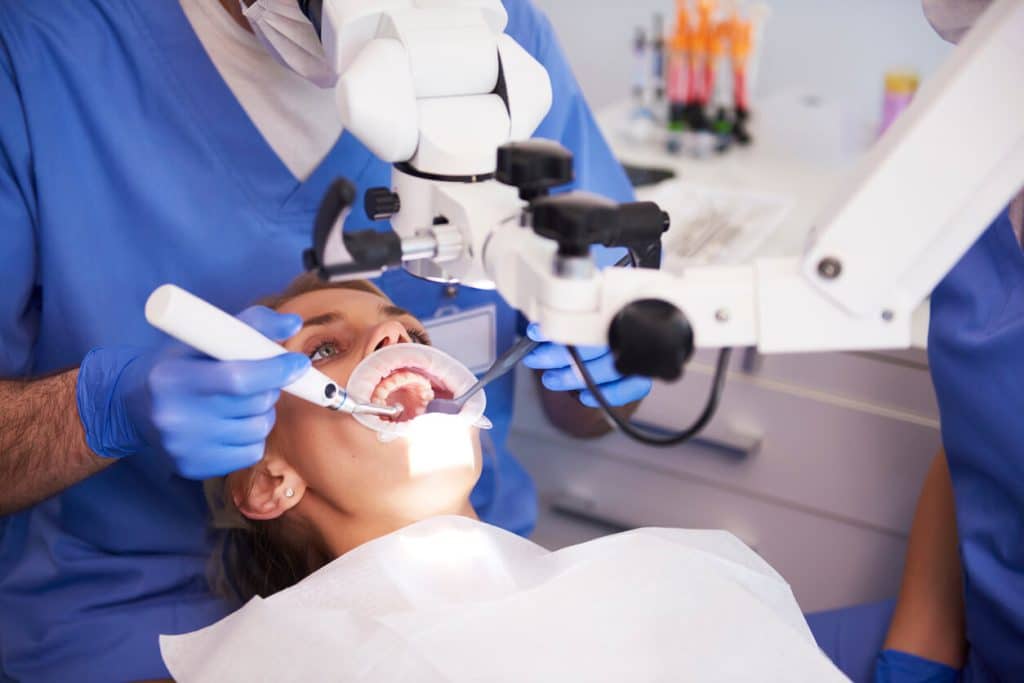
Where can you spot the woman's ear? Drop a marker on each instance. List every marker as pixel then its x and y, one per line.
pixel 266 490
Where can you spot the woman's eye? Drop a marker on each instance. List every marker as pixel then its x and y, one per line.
pixel 323 351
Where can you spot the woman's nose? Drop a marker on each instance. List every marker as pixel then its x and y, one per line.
pixel 387 334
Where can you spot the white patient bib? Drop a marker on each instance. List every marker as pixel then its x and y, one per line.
pixel 451 599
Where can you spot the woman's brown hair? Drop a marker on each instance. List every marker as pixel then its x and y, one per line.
pixel 263 557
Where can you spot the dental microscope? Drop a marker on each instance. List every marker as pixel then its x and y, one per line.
pixel 437 88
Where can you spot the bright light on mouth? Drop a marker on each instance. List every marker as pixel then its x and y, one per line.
pixel 439 442
pixel 412 389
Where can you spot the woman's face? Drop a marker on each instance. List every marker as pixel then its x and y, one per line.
pixel 340 460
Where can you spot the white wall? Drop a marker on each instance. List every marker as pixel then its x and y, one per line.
pixel 834 48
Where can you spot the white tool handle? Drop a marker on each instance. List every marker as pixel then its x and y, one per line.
pixel 220 335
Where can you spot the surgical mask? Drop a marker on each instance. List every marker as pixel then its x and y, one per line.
pixel 951 19
pixel 290 37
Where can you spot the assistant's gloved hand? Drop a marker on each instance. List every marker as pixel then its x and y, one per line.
pixel 893 666
pixel 210 417
pixel 560 374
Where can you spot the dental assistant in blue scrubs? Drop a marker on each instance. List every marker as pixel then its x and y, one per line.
pixel 144 143
pixel 960 613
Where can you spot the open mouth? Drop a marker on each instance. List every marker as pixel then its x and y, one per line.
pixel 412 389
pixel 409 376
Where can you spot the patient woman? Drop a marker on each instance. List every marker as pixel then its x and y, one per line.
pixel 452 599
pixel 326 484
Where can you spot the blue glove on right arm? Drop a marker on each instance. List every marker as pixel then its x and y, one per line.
pixel 893 666
pixel 209 417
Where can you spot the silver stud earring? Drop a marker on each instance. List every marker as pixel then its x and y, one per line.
pixel 289 493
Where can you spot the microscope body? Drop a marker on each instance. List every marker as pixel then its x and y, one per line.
pixel 439 90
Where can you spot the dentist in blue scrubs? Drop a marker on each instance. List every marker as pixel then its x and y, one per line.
pixel 144 142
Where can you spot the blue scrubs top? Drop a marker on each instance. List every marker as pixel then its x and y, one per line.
pixel 126 162
pixel 976 351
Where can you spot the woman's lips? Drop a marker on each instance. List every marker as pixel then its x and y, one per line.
pixel 411 388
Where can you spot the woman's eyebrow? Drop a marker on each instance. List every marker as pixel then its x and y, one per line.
pixel 392 311
pixel 330 317
pixel 323 319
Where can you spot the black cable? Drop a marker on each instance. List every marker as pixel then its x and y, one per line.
pixel 633 259
pixel 637 434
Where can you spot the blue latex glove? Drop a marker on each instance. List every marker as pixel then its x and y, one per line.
pixel 560 374
pixel 893 666
pixel 209 417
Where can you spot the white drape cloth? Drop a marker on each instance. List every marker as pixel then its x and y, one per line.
pixel 452 599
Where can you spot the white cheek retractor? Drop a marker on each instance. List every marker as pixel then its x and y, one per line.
pixel 455 376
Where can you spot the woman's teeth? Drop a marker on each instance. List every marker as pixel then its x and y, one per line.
pixel 400 378
pixel 406 388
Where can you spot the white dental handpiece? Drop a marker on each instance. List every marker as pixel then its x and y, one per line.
pixel 220 335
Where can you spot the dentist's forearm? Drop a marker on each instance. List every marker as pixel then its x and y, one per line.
pixel 42 442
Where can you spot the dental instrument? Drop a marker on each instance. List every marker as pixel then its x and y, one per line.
pixel 508 361
pixel 220 335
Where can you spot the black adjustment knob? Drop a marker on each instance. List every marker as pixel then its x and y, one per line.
pixel 381 203
pixel 651 338
pixel 576 221
pixel 534 166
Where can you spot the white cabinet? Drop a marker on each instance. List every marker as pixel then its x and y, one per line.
pixel 843 442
